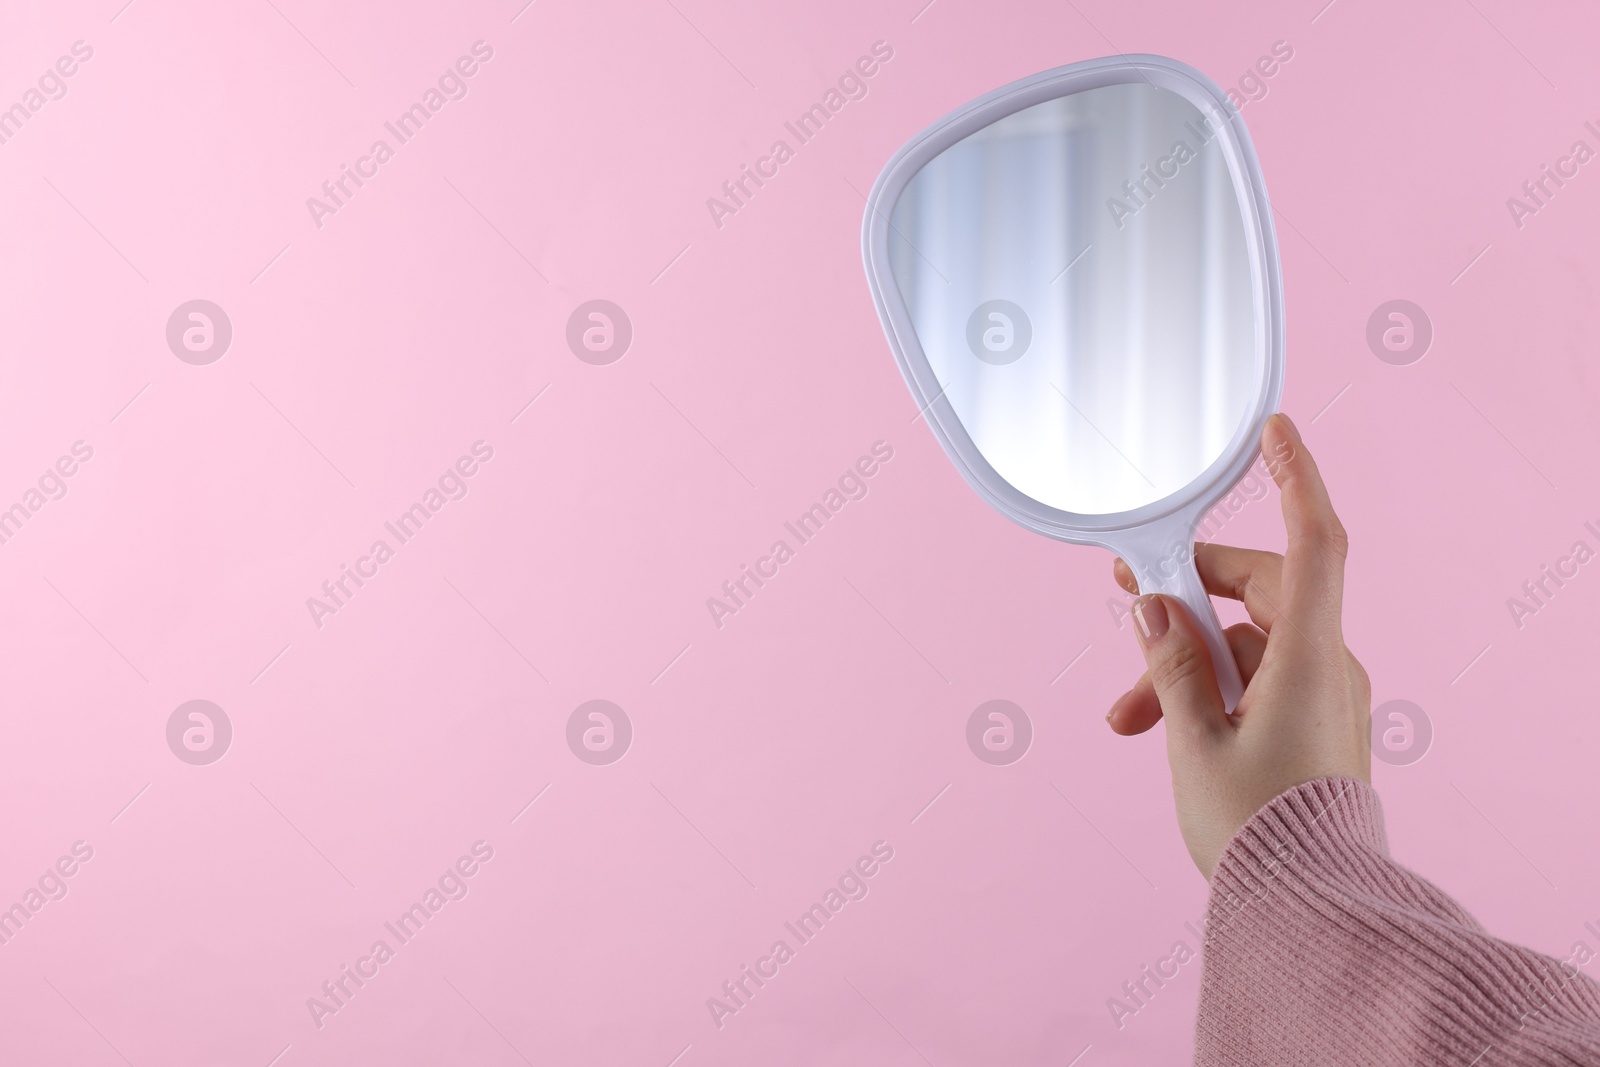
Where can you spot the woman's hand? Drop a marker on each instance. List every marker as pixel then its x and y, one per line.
pixel 1306 709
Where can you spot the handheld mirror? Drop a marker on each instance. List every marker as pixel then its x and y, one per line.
pixel 1079 278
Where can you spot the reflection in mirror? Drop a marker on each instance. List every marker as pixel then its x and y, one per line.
pixel 1079 278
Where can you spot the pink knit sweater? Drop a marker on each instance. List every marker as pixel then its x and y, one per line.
pixel 1320 949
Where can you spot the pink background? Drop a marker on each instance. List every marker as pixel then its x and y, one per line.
pixel 768 755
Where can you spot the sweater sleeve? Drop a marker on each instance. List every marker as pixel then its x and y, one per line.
pixel 1320 949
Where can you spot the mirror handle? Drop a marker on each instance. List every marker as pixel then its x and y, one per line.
pixel 1166 565
pixel 1188 588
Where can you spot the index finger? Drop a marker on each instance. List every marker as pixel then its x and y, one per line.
pixel 1249 575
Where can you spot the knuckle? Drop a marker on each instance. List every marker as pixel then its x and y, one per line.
pixel 1262 604
pixel 1261 581
pixel 1325 540
pixel 1334 539
pixel 1179 668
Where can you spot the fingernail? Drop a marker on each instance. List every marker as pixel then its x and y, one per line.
pixel 1151 615
pixel 1118 569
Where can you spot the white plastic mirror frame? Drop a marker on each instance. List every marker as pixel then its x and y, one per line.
pixel 1156 540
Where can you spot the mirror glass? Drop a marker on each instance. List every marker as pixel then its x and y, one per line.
pixel 1079 277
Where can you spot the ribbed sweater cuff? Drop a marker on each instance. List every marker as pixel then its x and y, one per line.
pixel 1321 949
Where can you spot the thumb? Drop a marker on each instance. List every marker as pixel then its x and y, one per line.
pixel 1180 665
